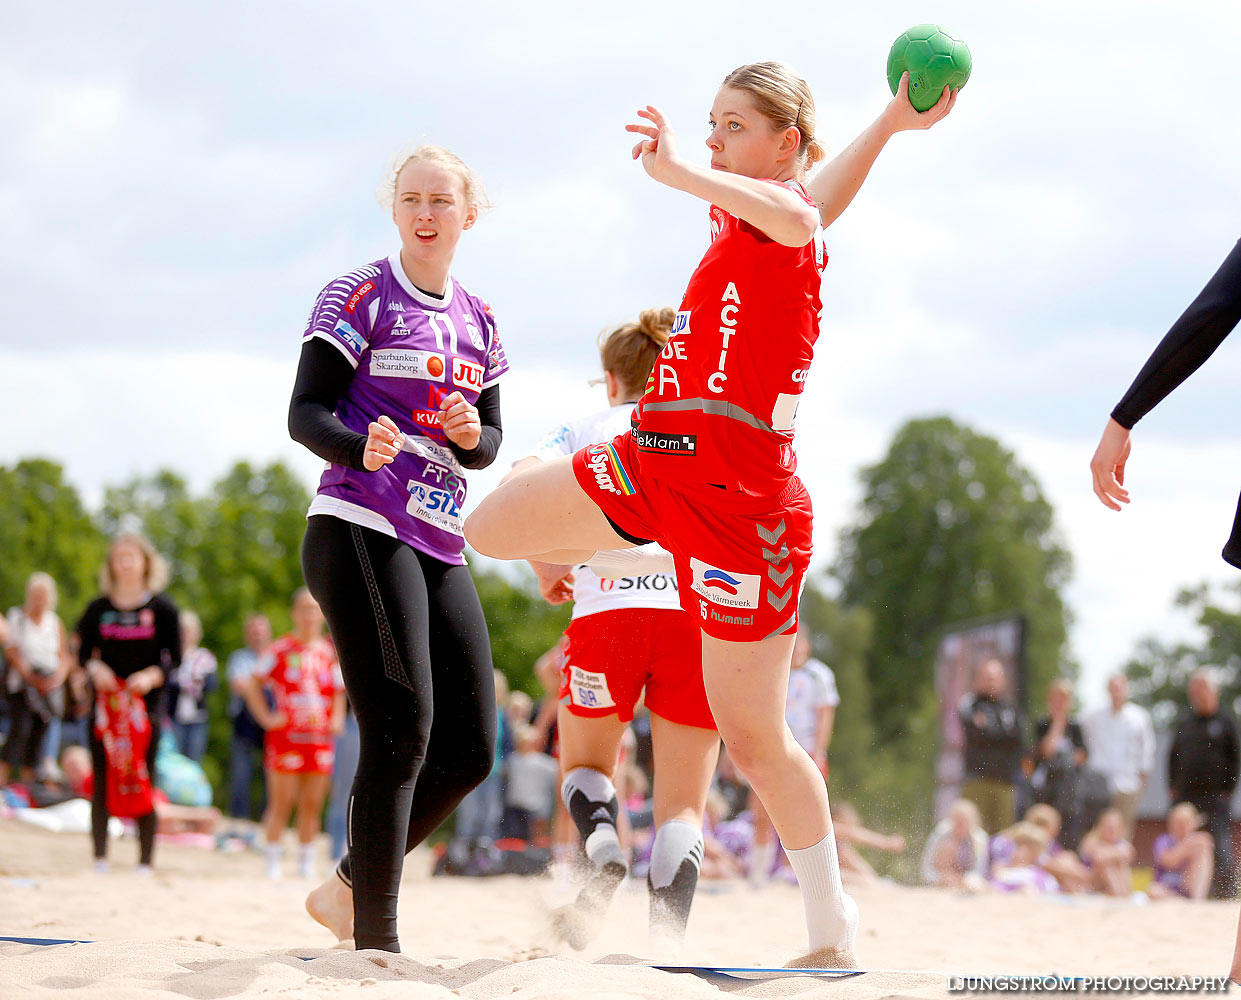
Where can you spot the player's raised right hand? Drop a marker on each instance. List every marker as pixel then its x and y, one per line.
pixel 658 150
pixel 384 441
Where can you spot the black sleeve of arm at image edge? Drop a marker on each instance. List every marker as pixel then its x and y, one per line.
pixel 1192 339
pixel 323 375
pixel 484 453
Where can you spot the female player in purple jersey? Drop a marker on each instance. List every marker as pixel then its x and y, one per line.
pixel 396 390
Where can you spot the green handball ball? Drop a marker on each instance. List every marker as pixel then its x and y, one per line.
pixel 933 58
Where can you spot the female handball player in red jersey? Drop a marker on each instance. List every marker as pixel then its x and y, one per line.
pixel 708 468
pixel 629 639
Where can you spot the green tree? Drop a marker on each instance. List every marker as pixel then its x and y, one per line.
pixel 46 527
pixel 161 508
pixel 951 527
pixel 521 624
pixel 1159 671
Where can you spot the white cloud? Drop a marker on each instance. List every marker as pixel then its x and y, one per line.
pixel 178 183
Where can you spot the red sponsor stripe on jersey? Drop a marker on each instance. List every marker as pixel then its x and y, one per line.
pixel 359 294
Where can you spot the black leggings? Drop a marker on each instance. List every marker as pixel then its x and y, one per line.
pixel 99 814
pixel 410 634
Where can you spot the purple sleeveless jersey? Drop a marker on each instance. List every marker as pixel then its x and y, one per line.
pixel 408 351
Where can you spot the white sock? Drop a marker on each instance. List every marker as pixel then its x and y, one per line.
pixel 616 563
pixel 761 858
pixel 831 913
pixel 305 860
pixel 275 859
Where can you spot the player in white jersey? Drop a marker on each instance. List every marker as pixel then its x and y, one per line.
pixel 629 635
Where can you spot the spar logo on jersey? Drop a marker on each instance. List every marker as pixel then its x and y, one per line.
pixel 350 336
pixel 731 590
pixel 467 374
pixel 610 474
pixel 359 293
pixel 665 444
pixel 396 363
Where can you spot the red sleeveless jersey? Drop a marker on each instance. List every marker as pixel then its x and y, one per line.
pixel 720 401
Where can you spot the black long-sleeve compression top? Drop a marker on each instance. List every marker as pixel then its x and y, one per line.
pixel 323 374
pixel 1192 339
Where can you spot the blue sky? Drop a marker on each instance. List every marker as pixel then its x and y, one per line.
pixel 176 185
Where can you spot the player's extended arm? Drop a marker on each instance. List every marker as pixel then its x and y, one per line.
pixel 835 186
pixel 1192 339
pixel 773 209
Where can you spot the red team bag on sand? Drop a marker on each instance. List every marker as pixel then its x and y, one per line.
pixel 122 724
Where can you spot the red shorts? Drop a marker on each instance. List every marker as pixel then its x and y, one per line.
pixel 740 560
pixel 612 655
pixel 287 756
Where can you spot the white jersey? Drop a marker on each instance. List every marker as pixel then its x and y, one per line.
pixel 811 687
pixel 592 593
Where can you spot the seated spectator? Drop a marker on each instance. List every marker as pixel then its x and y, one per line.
pixel 1109 856
pixel 718 861
pixel 1060 862
pixel 955 855
pixel 1021 872
pixel 849 830
pixel 1184 857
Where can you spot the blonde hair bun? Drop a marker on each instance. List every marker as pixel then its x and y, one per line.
pixel 657 323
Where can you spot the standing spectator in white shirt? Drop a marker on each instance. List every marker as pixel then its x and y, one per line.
pixel 188 688
pixel 810 711
pixel 1121 742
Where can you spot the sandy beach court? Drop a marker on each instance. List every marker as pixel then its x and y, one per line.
pixel 208 925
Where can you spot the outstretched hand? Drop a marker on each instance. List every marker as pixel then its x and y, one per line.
pixel 903 116
pixel 658 150
pixel 1108 465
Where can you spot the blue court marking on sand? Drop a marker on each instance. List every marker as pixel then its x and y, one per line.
pixel 43 941
pixel 758 972
pixel 48 942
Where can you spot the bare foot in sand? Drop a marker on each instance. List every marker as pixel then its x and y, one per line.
pixel 331 904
